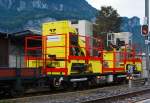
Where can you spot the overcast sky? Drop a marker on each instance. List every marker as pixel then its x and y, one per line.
pixel 127 8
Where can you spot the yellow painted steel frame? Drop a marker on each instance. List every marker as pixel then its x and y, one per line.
pixel 109 62
pixel 56 34
pixel 56 51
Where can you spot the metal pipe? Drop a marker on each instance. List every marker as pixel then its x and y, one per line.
pixel 147 38
pixel 147 10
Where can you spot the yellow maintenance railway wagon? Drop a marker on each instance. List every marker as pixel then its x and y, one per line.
pixel 68 56
pixel 68 53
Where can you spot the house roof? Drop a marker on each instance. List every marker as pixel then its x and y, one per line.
pixel 19 34
pixel 25 33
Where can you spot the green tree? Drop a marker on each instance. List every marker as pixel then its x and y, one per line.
pixel 108 20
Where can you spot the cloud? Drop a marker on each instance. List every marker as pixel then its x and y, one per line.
pixel 127 8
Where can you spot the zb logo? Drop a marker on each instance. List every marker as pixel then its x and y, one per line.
pixel 53 31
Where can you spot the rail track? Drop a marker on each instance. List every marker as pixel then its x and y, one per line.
pixel 118 97
pixel 34 92
pixel 125 95
pixel 98 95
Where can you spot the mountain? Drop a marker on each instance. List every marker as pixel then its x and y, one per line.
pixel 17 15
pixel 133 25
pixel 21 14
